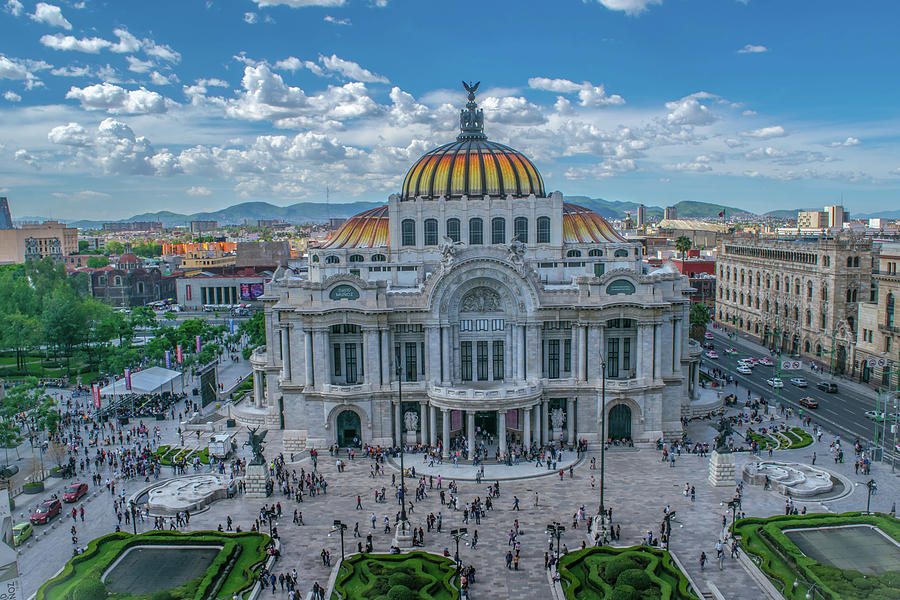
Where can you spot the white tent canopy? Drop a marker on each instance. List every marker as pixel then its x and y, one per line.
pixel 154 380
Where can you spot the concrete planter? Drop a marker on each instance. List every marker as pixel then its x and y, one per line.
pixel 33 488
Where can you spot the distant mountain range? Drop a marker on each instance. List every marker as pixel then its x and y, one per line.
pixel 306 212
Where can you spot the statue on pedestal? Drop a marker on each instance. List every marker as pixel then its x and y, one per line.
pixel 725 431
pixel 257 445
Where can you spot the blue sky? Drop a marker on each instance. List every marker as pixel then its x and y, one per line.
pixel 112 108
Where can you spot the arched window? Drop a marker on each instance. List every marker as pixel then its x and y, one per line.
pixel 498 230
pixel 889 310
pixel 356 258
pixel 453 229
pixel 824 293
pixel 787 284
pixel 777 283
pixel 595 252
pixel 543 230
pixel 768 281
pixel 332 260
pixel 315 258
pixel 621 253
pixel 808 320
pixel 117 280
pixel 796 314
pixel 476 231
pixel 818 349
pixel 408 232
pixel 849 261
pixel 140 287
pixel 520 229
pixel 797 287
pixel 806 346
pixel 809 287
pixel 849 295
pixel 379 258
pixel 855 261
pixel 757 279
pixel 431 236
pixel 853 296
pixel 573 254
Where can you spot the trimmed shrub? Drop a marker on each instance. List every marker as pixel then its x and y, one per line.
pixel 90 589
pixel 636 578
pixel 161 595
pixel 615 566
pixel 401 592
pixel 623 592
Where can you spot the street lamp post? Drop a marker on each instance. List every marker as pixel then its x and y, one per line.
pixel 602 435
pixel 403 518
pixel 458 534
pixel 667 521
pixel 870 487
pixel 811 590
pixel 556 530
pixel 733 504
pixel 341 527
pixel 133 516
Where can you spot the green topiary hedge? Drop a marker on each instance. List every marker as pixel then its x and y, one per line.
pixel 409 576
pixel 783 562
pixel 637 573
pixel 244 552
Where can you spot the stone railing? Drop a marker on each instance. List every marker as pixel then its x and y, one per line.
pixel 489 397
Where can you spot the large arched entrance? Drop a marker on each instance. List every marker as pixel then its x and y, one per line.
pixel 619 422
pixel 348 429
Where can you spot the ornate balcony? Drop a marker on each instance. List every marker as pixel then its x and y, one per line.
pixel 486 396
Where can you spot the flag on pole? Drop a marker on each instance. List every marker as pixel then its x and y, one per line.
pixel 722 213
pixel 168 359
pixel 128 379
pixel 198 344
pixel 178 357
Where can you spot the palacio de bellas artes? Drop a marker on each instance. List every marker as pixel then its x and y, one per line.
pixel 500 310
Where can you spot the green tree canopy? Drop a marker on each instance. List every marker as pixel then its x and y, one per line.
pixel 683 244
pixel 96 262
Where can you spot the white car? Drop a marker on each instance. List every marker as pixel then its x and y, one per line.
pixel 775 382
pixel 878 416
pixel 708 335
pixel 744 370
pixel 798 381
pixel 712 354
pixel 766 361
pixel 745 362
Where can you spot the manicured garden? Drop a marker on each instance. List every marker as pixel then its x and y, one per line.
pixel 791 439
pixel 784 563
pixel 410 576
pixel 636 573
pixel 233 570
pixel 169 455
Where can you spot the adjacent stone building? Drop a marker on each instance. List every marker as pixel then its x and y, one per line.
pixel 796 295
pixel 494 305
pixel 879 330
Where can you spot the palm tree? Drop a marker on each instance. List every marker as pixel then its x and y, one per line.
pixel 683 244
pixel 699 319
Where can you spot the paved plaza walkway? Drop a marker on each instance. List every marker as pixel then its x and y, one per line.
pixel 638 488
pixel 492 471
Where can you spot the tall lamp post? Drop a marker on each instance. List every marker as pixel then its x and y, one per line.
pixel 667 521
pixel 402 531
pixel 133 516
pixel 870 487
pixel 556 530
pixel 602 434
pixel 812 588
pixel 734 504
pixel 341 527
pixel 458 534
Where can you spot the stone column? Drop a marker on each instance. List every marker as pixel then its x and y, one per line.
pixel 470 427
pixel 446 377
pixel 640 368
pixel 257 388
pixel 432 425
pixel 545 421
pixel 676 346
pixel 520 351
pixel 570 420
pixel 371 375
pixel 385 357
pixel 576 341
pixel 583 355
pixel 533 351
pixel 501 431
pixel 397 421
pixel 657 351
pixel 322 361
pixel 286 353
pixel 445 427
pixel 308 357
pixel 432 355
pixel 423 421
pixel 526 426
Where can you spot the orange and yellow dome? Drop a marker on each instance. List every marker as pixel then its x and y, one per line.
pixel 472 167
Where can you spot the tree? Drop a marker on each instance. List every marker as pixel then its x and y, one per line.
pixel 143 316
pixel 699 319
pixel 20 332
pixel 83 245
pixel 96 262
pixel 114 247
pixel 683 244
pixel 40 409
pixel 255 329
pixel 63 321
pixel 10 437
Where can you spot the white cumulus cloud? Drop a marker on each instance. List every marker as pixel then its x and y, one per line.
pixel 72 134
pixel 250 17
pixel 199 190
pixel 629 7
pixel 292 63
pixel 351 70
pixel 765 133
pixel 137 65
pixel 689 111
pixel 753 49
pixel 58 41
pixel 850 141
pixel 117 100
pixel 589 95
pixel 15 8
pixel 336 21
pixel 12 96
pixel 127 42
pixel 50 15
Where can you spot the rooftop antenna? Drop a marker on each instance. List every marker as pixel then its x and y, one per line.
pixel 328 204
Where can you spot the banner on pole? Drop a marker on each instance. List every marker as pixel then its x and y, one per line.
pixel 128 379
pixel 95 389
pixel 178 356
pixel 168 359
pixel 198 344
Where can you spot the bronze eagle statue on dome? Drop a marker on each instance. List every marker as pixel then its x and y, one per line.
pixel 471 89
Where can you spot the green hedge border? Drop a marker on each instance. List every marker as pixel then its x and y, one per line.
pixel 356 567
pixel 245 552
pixel 783 562
pixel 660 568
pixel 168 455
pixel 793 439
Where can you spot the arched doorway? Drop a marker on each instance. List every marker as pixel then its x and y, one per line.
pixel 348 429
pixel 619 422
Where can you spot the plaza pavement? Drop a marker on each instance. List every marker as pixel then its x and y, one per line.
pixel 638 487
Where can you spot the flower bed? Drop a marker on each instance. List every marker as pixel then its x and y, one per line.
pixel 233 571
pixel 783 562
pixel 637 573
pixel 409 576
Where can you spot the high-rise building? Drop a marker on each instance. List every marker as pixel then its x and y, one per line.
pixel 5 218
pixel 641 216
pixel 671 213
pixel 837 216
pixel 812 219
pixel 203 226
pixel 800 296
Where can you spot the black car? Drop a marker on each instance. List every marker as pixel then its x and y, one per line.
pixel 825 386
